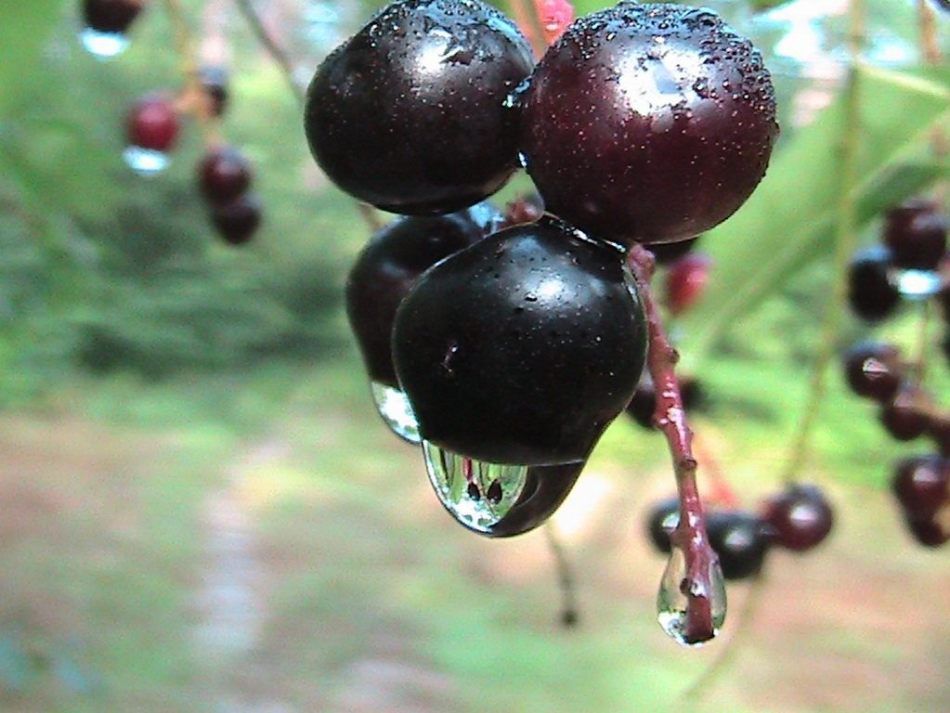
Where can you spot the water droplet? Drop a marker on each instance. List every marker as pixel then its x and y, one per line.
pixel 477 493
pixel 674 596
pixel 103 45
pixel 145 162
pixel 396 411
pixel 917 285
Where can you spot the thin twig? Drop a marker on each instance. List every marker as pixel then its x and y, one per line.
pixel 565 576
pixel 276 52
pixel 194 99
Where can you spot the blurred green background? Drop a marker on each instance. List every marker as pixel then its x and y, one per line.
pixel 200 510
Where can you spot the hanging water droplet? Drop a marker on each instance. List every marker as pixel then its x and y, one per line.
pixel 145 162
pixel 103 45
pixel 673 600
pixel 396 411
pixel 917 285
pixel 477 493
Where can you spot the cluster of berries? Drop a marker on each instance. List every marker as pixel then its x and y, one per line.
pixel 153 125
pixel 797 519
pixel 506 349
pixel 912 263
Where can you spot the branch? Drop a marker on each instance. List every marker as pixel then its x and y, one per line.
pixel 276 52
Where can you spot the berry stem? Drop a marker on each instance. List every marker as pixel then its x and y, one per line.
pixel 565 576
pixel 193 99
pixel 670 417
pixel 529 22
pixel 276 52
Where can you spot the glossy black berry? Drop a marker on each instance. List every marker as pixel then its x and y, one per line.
pixel 741 540
pixel 410 114
pixel 873 370
pixel 648 123
pixel 916 233
pixel 224 174
pixel 920 485
pixel 801 517
pixel 237 220
pixel 907 417
pixel 662 520
pixel 522 348
pixel 388 267
pixel 871 294
pixel 111 16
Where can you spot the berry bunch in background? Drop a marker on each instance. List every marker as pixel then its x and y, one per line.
pixel 507 352
pixel 911 264
pixel 154 123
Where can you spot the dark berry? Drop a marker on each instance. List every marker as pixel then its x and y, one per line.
pixel 648 123
pixel 224 174
pixel 801 517
pixel 522 348
pixel 388 267
pixel 411 115
pixel 643 404
pixel 928 533
pixel 214 81
pixel 907 417
pixel 871 294
pixel 237 220
pixel 666 253
pixel 741 540
pixel 663 519
pixel 686 280
pixel 920 485
pixel 873 370
pixel 916 233
pixel 111 16
pixel 152 124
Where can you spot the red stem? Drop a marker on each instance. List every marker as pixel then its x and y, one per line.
pixel 670 417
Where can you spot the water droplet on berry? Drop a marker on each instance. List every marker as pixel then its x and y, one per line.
pixel 917 284
pixel 103 45
pixel 675 592
pixel 145 162
pixel 396 411
pixel 478 494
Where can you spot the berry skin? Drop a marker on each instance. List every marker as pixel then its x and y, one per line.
pixel 410 114
pixel 648 123
pixel 920 485
pixel 741 540
pixel 907 417
pixel 666 253
pixel 916 233
pixel 111 16
pixel 873 370
pixel 870 293
pixel 238 220
pixel 388 267
pixel 224 174
pixel 663 519
pixel 152 124
pixel 522 348
pixel 928 533
pixel 686 280
pixel 801 517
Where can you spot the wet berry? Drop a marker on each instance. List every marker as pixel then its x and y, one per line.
pixel 741 540
pixel 648 123
pixel 686 280
pixel 920 485
pixel 224 174
pixel 916 233
pixel 873 370
pixel 871 294
pixel 111 16
pixel 237 220
pixel 410 114
pixel 907 416
pixel 152 124
pixel 801 517
pixel 663 518
pixel 522 348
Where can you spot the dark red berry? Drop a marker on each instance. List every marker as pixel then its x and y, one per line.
pixel 224 174
pixel 801 517
pixel 522 348
pixel 741 540
pixel 916 233
pixel 663 518
pixel 214 80
pixel 526 209
pixel 238 220
pixel 411 115
pixel 152 124
pixel 873 370
pixel 871 294
pixel 648 123
pixel 920 485
pixel 666 253
pixel 928 533
pixel 388 267
pixel 686 280
pixel 907 417
pixel 111 16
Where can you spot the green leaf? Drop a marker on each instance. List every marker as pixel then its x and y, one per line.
pixel 790 220
pixel 24 27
